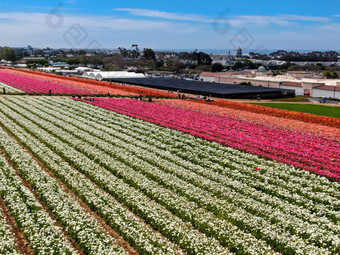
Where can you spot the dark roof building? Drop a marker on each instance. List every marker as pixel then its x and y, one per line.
pixel 221 90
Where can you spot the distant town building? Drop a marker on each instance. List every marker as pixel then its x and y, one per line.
pixel 302 86
pixel 33 58
pixel 60 64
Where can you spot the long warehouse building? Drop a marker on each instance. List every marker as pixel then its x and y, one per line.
pixel 208 89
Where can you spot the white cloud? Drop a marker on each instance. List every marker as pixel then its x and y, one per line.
pixel 238 21
pixel 333 27
pixel 70 1
pixel 189 31
pixel 32 28
pixel 38 20
pixel 305 18
pixel 163 15
pixel 280 20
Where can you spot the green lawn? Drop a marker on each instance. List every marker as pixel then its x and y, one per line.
pixel 295 99
pixel 323 110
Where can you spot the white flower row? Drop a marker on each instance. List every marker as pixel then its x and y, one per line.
pixel 177 204
pixel 182 140
pixel 144 238
pixel 7 240
pixel 10 90
pixel 318 189
pixel 156 146
pixel 220 209
pixel 79 224
pixel 171 226
pixel 75 130
pixel 322 182
pixel 145 141
pixel 33 221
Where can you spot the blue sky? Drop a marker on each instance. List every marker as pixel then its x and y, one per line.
pixel 260 25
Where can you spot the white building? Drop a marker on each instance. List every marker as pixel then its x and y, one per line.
pixel 327 91
pixel 82 69
pixel 111 75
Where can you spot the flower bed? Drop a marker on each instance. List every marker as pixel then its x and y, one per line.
pixel 168 192
pixel 306 117
pixel 96 86
pixel 315 154
pixel 264 119
pixel 9 90
pixel 163 191
pixel 90 88
pixel 35 86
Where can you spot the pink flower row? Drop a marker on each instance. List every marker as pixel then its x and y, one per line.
pixel 308 152
pixel 264 119
pixel 31 85
pixel 90 88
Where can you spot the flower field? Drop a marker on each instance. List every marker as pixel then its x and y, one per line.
pixel 73 87
pixel 261 118
pixel 300 116
pixel 36 86
pixel 40 83
pixel 314 153
pixel 81 179
pixel 10 90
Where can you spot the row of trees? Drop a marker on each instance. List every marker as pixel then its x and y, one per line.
pixel 314 56
pixel 200 58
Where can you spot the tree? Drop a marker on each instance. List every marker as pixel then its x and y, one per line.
pixel 204 59
pixel 176 66
pixel 81 52
pixel 83 60
pixel 149 54
pixel 217 67
pixel 73 61
pixel 238 65
pixel 135 54
pixel 286 66
pixel 185 56
pixel 159 64
pixel 249 64
pixel 124 52
pixel 110 67
pixel 7 54
pixel 37 62
pixel 330 75
pixel 96 60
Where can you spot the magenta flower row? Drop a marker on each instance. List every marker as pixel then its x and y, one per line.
pixel 31 85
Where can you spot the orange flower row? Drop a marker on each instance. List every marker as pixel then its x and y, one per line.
pixel 305 117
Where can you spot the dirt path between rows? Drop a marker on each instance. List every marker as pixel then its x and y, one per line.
pixel 21 243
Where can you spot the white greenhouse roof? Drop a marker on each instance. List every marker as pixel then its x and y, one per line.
pixel 112 75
